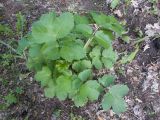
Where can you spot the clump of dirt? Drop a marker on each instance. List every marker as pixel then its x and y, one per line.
pixel 150 53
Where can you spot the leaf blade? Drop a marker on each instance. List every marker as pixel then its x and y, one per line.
pixel 103 39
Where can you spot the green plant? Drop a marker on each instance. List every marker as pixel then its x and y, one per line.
pixel 20 24
pixel 3 106
pixel 57 113
pixel 6 30
pixel 115 3
pixel 19 90
pixel 10 99
pixel 75 117
pixel 6 59
pixel 154 9
pixel 4 81
pixel 130 57
pixel 64 51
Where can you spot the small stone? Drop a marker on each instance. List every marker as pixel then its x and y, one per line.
pixel 155 86
pixel 1 5
pixel 118 13
pixel 137 110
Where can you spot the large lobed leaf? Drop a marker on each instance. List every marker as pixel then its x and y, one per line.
pixel 81 65
pixel 96 61
pixel 109 57
pixel 95 54
pixel 63 87
pixel 44 76
pixel 72 51
pixel 51 50
pixel 114 99
pixel 88 91
pixel 106 80
pixel 22 45
pixel 50 90
pixel 49 28
pixel 85 29
pixel 108 23
pixel 80 19
pixel 84 75
pixel 103 39
pixel 35 60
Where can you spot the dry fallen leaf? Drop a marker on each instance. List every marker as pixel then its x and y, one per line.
pixel 146 47
pixel 100 118
pixel 152 30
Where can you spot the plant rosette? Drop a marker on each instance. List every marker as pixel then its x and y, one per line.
pixel 64 50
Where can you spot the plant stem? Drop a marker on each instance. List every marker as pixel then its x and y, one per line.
pixel 90 39
pixel 8 46
pixel 88 42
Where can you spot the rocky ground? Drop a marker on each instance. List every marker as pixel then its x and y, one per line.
pixel 142 75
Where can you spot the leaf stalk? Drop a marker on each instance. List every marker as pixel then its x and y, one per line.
pixel 8 46
pixel 91 38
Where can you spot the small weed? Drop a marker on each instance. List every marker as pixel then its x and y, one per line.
pixel 10 99
pixel 75 117
pixel 5 30
pixel 6 59
pixel 56 113
pixel 4 81
pixel 3 106
pixel 116 3
pixel 154 10
pixel 20 24
pixel 19 90
pixel 130 57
